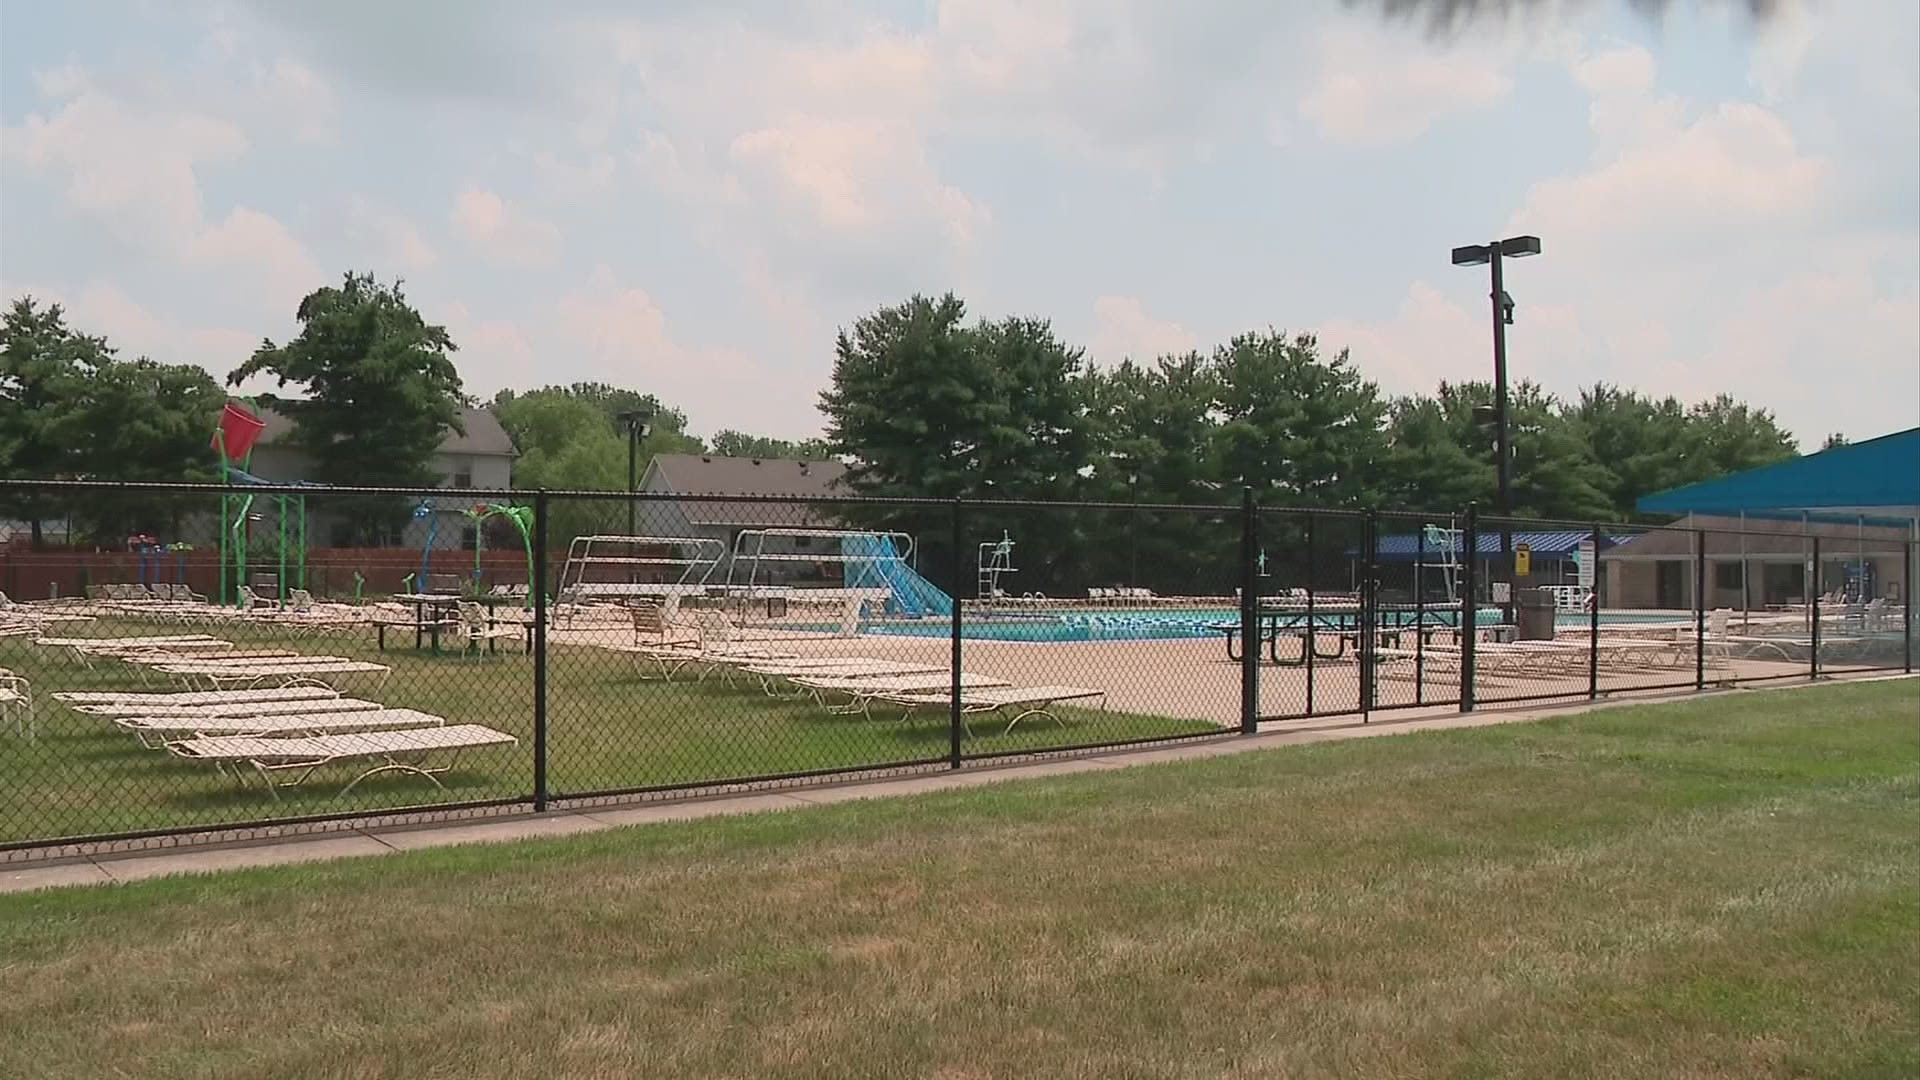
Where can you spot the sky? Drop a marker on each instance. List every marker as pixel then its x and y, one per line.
pixel 691 198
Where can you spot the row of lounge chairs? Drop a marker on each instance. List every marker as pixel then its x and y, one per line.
pixel 289 731
pixel 199 660
pixel 854 685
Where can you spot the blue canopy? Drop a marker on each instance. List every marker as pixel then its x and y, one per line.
pixel 1544 543
pixel 1882 472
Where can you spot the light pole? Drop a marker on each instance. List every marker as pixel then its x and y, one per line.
pixel 639 424
pixel 1513 247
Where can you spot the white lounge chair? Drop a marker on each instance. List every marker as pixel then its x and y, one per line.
pixel 154 731
pixel 16 700
pixel 233 708
pixel 298 690
pixel 670 660
pixel 388 751
pixel 861 693
pixel 1021 701
pixel 218 676
pixel 476 627
pixel 770 675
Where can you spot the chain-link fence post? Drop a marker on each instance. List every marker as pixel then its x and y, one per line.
pixel 1249 615
pixel 1593 620
pixel 1908 567
pixel 1469 606
pixel 956 708
pixel 1313 587
pixel 538 584
pixel 1369 621
pixel 1699 609
pixel 1813 609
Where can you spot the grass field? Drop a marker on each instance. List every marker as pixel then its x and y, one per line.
pixel 608 728
pixel 1726 887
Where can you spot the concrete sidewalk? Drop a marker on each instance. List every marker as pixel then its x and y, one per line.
pixel 105 869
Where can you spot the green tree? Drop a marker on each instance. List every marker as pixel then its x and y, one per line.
pixel 69 409
pixel 730 443
pixel 1729 436
pixel 1834 441
pixel 1555 474
pixel 572 438
pixel 1439 460
pixel 1643 444
pixel 923 405
pixel 380 388
pixel 43 369
pixel 912 402
pixel 1301 429
pixel 1155 428
pixel 149 422
pixel 1444 458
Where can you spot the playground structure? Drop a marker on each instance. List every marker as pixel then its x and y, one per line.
pixel 284 540
pixel 479 513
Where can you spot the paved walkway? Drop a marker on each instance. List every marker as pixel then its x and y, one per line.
pixel 135 867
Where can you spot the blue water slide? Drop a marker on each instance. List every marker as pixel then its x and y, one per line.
pixel 873 562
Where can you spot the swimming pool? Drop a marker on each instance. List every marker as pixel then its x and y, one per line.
pixel 1150 624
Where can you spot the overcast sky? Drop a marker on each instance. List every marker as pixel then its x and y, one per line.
pixel 689 197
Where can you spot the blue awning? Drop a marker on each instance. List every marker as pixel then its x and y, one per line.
pixel 1544 543
pixel 1882 472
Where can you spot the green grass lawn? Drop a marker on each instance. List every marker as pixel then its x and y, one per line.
pixel 608 728
pixel 1726 887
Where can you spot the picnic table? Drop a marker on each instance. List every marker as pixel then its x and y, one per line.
pixel 1295 620
pixel 436 613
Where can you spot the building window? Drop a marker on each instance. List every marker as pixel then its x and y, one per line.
pixel 463 475
pixel 1727 575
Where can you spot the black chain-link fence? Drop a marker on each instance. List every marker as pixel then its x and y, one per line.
pixel 271 655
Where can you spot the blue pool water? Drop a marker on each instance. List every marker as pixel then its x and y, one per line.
pixel 1143 624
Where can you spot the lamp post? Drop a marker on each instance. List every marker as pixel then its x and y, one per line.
pixel 639 424
pixel 1513 247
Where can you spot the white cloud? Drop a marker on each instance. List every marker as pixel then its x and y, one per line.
pixel 134 329
pixel 1123 330
pixel 1431 338
pixel 858 178
pixel 504 233
pixel 617 333
pixel 1375 89
pixel 1674 263
pixel 135 164
pixel 493 353
pixel 260 245
pixel 294 98
pixel 1661 176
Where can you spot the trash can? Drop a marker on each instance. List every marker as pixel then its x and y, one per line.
pixel 1533 613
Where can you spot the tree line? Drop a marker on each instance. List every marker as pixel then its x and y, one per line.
pixel 922 402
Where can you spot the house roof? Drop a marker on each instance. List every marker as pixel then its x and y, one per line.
pixel 1882 472
pixel 716 474
pixel 484 435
